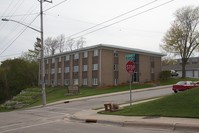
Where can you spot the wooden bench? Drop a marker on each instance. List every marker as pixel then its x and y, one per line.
pixel 111 107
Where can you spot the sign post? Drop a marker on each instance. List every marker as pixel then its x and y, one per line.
pixel 130 68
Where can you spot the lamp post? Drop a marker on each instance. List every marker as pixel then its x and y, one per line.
pixel 5 19
pixel 42 55
pixel 42 51
pixel 42 47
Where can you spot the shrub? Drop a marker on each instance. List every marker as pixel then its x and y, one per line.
pixel 164 75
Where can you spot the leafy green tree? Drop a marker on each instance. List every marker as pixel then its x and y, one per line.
pixel 182 39
pixel 16 75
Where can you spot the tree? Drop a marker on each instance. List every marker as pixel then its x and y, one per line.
pixel 51 45
pixel 33 55
pixel 61 40
pixel 61 44
pixel 71 44
pixel 16 75
pixel 80 43
pixel 182 39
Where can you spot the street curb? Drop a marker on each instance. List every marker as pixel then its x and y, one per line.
pixel 108 94
pixel 142 124
pixel 96 96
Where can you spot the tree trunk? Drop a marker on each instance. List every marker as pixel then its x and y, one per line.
pixel 183 67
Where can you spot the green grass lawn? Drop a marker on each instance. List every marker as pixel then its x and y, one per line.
pixel 60 93
pixel 182 104
pixel 175 80
pixel 54 94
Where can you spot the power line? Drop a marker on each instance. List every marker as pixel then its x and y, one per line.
pixel 125 19
pixel 19 15
pixel 55 5
pixel 18 36
pixel 30 24
pixel 114 18
pixel 22 21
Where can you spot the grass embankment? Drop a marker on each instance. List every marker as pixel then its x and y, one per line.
pixel 182 104
pixel 57 94
pixel 54 94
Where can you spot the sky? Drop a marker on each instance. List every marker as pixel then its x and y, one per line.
pixel 139 24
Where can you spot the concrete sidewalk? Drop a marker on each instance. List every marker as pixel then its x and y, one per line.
pixel 169 123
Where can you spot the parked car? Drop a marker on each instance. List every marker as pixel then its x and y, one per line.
pixel 184 85
pixel 174 73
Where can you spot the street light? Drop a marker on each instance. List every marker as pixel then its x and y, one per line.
pixel 42 54
pixel 42 47
pixel 5 19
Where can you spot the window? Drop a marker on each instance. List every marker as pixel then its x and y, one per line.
pixel 96 52
pixel 95 66
pixel 52 82
pixel 115 54
pixel 46 61
pixel 76 56
pixel 59 59
pixel 95 81
pixel 85 54
pixel 85 81
pixel 75 82
pixel 115 81
pixel 55 82
pixel 52 71
pixel 66 82
pixel 115 67
pixel 67 57
pixel 53 60
pixel 85 68
pixel 46 71
pixel 152 70
pixel 59 70
pixel 59 82
pixel 46 81
pixel 67 69
pixel 194 61
pixel 76 69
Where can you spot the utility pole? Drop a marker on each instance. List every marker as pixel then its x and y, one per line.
pixel 42 54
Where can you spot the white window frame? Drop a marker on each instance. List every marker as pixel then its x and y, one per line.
pixel 67 69
pixel 85 68
pixel 115 54
pixel 115 81
pixel 85 54
pixel 95 52
pixel 53 60
pixel 76 69
pixel 95 67
pixel 67 57
pixel 59 82
pixel 115 67
pixel 76 56
pixel 95 81
pixel 60 59
pixel 52 70
pixel 85 81
pixel 59 70
pixel 75 82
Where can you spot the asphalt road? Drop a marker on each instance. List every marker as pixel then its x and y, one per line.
pixel 52 118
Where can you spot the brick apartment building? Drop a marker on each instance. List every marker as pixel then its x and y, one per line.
pixel 100 65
